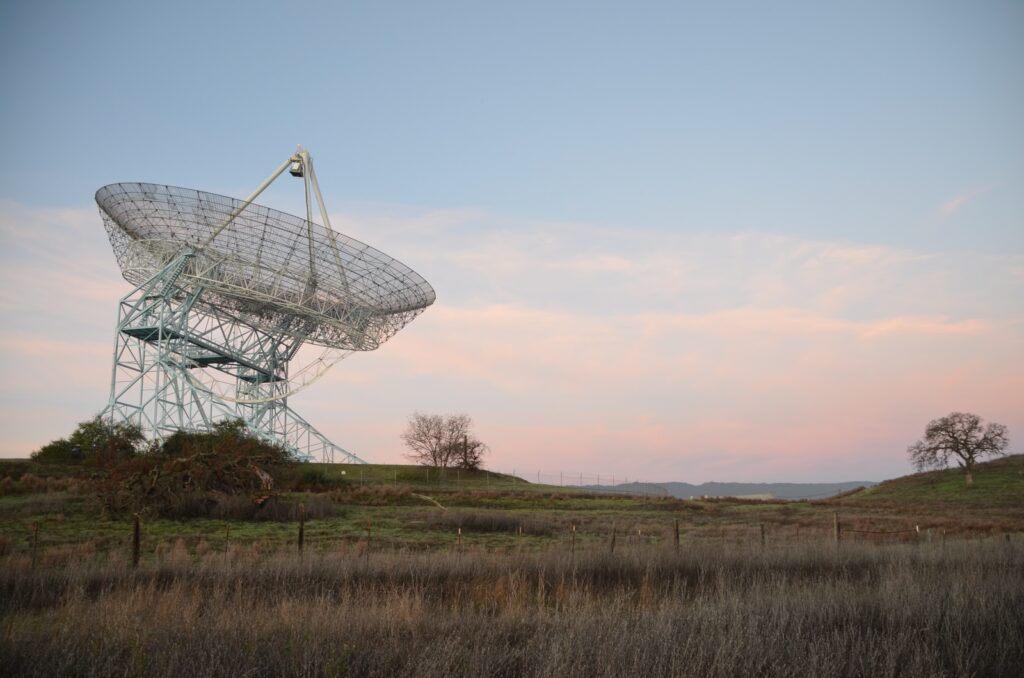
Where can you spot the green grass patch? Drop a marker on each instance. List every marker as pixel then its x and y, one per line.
pixel 997 483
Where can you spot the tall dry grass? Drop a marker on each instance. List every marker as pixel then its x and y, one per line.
pixel 954 609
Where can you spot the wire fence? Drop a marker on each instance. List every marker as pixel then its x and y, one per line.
pixel 601 483
pixel 455 478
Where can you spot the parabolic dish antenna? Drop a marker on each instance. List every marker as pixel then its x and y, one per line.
pixel 237 306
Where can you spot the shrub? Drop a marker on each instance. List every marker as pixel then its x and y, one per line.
pixel 189 473
pixel 95 442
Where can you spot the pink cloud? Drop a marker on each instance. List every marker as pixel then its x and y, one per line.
pixel 594 349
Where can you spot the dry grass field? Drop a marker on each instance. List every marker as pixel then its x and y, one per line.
pixel 953 609
pixel 434 579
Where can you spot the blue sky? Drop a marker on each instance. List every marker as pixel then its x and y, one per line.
pixel 602 163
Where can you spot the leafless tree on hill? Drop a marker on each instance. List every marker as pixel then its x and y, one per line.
pixel 959 436
pixel 443 441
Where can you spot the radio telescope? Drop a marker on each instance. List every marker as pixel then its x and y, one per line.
pixel 238 306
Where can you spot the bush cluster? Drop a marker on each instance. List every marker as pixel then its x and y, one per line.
pixel 95 443
pixel 190 473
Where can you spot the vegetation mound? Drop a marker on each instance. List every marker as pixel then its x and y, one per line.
pixel 189 474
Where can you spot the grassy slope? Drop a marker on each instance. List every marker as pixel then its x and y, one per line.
pixel 396 504
pixel 997 484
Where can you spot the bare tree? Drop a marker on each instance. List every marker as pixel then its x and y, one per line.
pixel 959 436
pixel 470 453
pixel 443 441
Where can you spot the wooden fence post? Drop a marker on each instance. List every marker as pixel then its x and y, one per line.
pixel 677 535
pixel 762 536
pixel 574 543
pixel 302 527
pixel 35 544
pixel 835 526
pixel 611 548
pixel 136 541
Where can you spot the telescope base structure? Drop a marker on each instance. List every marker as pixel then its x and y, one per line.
pixel 162 341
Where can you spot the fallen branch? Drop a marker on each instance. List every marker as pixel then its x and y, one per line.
pixel 431 500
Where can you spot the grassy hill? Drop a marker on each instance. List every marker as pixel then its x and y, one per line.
pixel 998 484
pixel 415 507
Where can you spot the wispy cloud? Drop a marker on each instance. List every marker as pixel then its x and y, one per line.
pixel 952 206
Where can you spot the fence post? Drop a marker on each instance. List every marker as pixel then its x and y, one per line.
pixel 574 546
pixel 835 526
pixel 367 551
pixel 677 535
pixel 762 535
pixel 35 544
pixel 136 540
pixel 302 527
pixel 611 548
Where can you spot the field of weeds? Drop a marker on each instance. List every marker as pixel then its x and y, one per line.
pixel 405 573
pixel 706 609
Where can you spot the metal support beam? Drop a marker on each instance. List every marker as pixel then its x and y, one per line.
pixel 162 342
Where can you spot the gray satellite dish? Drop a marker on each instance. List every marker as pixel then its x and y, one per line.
pixel 237 306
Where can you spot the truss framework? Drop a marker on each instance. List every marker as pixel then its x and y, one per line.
pixel 162 340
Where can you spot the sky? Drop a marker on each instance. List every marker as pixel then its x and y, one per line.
pixel 735 241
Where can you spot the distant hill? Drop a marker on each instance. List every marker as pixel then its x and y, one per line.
pixel 751 490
